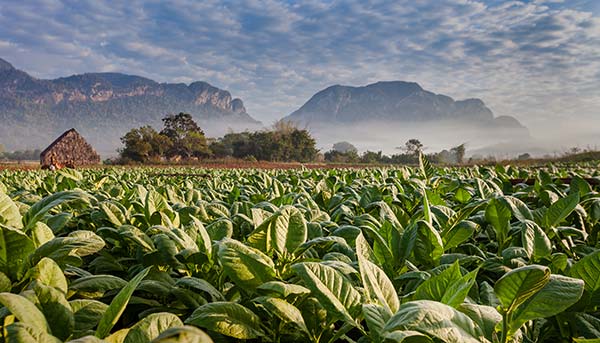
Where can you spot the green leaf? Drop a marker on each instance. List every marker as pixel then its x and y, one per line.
pixel 334 290
pixel 25 311
pixel 376 283
pixel 87 314
pixel 56 310
pixel 429 247
pixel 95 286
pixel 200 285
pixel 449 287
pixel 458 234
pixel 15 248
pixel 498 214
pixel 558 294
pixel 376 316
pixel 25 333
pixel 50 274
pixel 40 208
pixel 283 289
pixel 486 317
pixel 437 320
pixel 203 239
pixel 518 285
pixel 535 241
pixel 183 334
pixel 287 231
pixel 425 167
pixel 151 327
pixel 118 304
pixel 285 311
pixel 9 212
pixel 560 210
pixel 588 270
pixel 246 266
pixel 227 318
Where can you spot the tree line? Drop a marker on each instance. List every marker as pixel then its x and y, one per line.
pixel 182 139
pixel 345 152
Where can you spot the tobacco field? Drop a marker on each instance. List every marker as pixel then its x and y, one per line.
pixel 406 254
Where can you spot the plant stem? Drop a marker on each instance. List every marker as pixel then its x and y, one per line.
pixel 504 337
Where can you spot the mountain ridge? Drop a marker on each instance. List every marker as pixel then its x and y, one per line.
pixel 391 101
pixel 97 103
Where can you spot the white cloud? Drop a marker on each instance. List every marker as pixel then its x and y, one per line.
pixel 533 60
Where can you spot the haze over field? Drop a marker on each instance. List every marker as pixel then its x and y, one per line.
pixel 536 61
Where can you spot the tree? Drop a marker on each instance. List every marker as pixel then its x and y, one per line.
pixel 187 137
pixel 144 144
pixel 413 147
pixel 459 153
pixel 344 147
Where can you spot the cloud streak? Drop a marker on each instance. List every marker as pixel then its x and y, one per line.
pixel 537 60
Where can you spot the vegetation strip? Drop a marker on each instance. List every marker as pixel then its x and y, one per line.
pixel 406 254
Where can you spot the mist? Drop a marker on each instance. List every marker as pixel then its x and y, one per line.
pixel 551 138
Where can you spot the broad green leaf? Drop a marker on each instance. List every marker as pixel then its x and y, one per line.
pixel 535 241
pixel 560 210
pixel 227 318
pixel 246 266
pixel 588 270
pixel 40 208
pixel 486 317
pixel 25 311
pixel 518 285
pixel 449 287
pixel 285 311
pixel 458 234
pixel 376 316
pixel 200 285
pixel 203 240
pixel 558 294
pixel 9 212
pixel 56 309
pixel 87 314
pixel 15 248
pixel 287 231
pixel 428 245
pixel 405 336
pixel 24 333
pixel 437 320
pixel 114 213
pixel 498 214
pixel 95 286
pixel 151 327
pixel 283 289
pixel 376 283
pixel 5 283
pixel 334 290
pixel 118 304
pixel 183 334
pixel 50 274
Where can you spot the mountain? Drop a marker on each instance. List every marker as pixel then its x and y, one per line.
pixel 392 101
pixel 103 106
pixel 384 115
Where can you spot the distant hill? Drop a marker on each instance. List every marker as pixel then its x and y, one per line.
pixel 392 101
pixel 103 106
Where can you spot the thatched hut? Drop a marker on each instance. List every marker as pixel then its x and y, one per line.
pixel 69 150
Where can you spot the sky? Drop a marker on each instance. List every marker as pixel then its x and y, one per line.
pixel 537 60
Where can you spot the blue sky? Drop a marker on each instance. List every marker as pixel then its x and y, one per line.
pixel 537 60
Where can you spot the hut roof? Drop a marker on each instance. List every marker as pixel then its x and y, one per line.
pixel 70 148
pixel 56 141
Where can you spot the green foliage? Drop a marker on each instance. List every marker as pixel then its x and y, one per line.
pixel 421 254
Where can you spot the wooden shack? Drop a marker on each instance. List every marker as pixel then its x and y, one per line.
pixel 69 150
